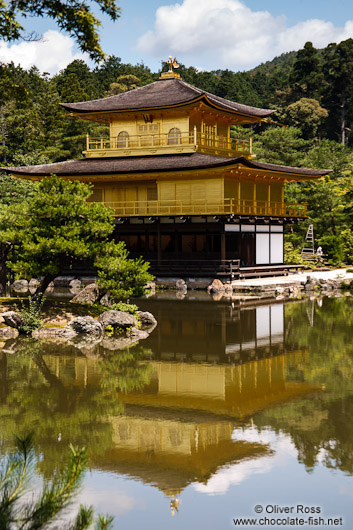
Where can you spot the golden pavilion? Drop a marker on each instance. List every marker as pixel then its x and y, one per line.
pixel 182 189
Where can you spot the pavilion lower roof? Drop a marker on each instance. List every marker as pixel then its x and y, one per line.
pixel 153 164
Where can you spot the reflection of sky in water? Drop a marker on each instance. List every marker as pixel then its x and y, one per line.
pixel 232 491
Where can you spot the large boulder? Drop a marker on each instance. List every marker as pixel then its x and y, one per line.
pixel 181 285
pixel 8 333
pixel 20 286
pixel 106 300
pixel 216 286
pixel 147 320
pixel 86 325
pixel 12 319
pixel 117 319
pixel 53 333
pixel 88 295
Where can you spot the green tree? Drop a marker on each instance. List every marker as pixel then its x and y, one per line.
pixel 15 472
pixel 306 76
pixel 72 90
pixel 338 71
pixel 307 115
pixel 61 228
pixel 124 83
pixel 73 16
pixel 281 145
pixel 122 277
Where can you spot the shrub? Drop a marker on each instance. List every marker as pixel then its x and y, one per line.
pixel 291 254
pixel 126 307
pixel 31 315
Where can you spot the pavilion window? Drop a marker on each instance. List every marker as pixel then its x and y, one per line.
pixel 247 191
pixel 123 139
pixel 152 193
pixel 276 192
pixel 262 191
pixel 174 136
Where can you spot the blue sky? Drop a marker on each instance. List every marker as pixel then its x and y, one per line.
pixel 208 34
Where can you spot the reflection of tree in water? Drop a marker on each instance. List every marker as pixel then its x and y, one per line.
pixel 123 371
pixel 3 377
pixel 322 424
pixel 58 412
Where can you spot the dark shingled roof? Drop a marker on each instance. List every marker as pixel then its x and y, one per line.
pixel 146 164
pixel 162 93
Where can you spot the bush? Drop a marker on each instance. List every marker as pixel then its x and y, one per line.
pixel 31 315
pixel 334 247
pixel 291 254
pixel 126 307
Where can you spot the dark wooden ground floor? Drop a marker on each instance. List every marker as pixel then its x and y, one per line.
pixel 203 245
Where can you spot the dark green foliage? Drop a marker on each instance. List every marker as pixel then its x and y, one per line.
pixel 16 472
pixel 73 16
pixel 121 276
pixel 306 76
pixel 280 145
pixel 30 314
pixel 59 228
pixel 126 307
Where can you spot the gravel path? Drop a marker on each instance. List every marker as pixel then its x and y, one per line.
pixel 335 274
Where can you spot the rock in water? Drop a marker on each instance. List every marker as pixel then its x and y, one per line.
pixel 181 285
pixel 146 319
pixel 12 319
pixel 8 333
pixel 216 286
pixel 89 295
pixel 20 285
pixel 117 319
pixel 85 325
pixel 54 333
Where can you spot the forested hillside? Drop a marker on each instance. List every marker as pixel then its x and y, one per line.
pixel 311 91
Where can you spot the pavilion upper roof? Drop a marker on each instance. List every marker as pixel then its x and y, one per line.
pixel 164 93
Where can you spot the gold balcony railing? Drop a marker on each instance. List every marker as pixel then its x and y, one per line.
pixel 167 143
pixel 203 207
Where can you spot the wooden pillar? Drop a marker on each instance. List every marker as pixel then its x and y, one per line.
pixel 223 245
pixel 159 244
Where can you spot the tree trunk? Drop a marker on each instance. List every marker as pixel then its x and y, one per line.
pixel 4 252
pixel 38 295
pixel 3 131
pixel 343 118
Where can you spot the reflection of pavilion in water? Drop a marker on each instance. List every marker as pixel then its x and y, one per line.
pixel 178 430
pixel 217 332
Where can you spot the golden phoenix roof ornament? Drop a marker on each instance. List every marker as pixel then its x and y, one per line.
pixel 172 63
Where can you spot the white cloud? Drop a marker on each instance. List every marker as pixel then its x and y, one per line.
pixel 228 34
pixel 282 452
pixel 51 54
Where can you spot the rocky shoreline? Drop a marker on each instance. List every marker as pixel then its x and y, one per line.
pixel 123 326
pixel 85 291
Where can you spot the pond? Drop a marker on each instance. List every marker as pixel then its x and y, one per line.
pixel 226 411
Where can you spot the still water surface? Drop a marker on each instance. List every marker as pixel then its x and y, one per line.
pixel 221 409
